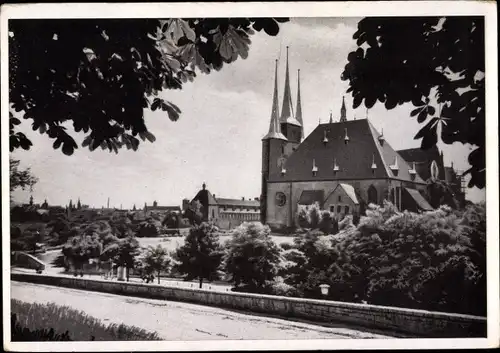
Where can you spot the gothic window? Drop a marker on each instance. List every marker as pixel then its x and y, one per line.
pixel 372 195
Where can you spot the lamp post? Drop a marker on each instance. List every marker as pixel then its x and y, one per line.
pixel 324 289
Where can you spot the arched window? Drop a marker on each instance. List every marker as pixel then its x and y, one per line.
pixel 346 209
pixel 372 195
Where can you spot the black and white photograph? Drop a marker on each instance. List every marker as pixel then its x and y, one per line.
pixel 250 176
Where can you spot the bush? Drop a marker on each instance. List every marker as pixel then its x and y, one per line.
pixel 252 258
pixel 286 246
pixel 432 260
pixel 46 322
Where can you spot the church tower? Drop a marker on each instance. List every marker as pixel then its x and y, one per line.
pixel 290 126
pixel 272 148
pixel 343 117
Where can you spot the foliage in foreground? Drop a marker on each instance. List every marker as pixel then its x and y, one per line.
pixel 435 63
pixel 111 71
pixel 433 260
pixel 47 322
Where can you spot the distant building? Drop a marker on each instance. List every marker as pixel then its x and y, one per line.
pixel 161 209
pixel 223 212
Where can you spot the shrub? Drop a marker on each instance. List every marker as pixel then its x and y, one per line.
pixel 35 321
pixel 286 246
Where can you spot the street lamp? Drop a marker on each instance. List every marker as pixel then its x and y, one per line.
pixel 324 289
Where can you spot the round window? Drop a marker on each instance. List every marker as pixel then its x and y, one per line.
pixel 280 199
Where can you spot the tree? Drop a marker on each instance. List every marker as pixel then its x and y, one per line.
pixel 20 178
pixel 111 71
pixel 80 249
pixel 440 193
pixel 201 255
pixel 125 252
pixel 156 259
pixel 436 64
pixel 171 220
pixel 194 212
pixel 252 258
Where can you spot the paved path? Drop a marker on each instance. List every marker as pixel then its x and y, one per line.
pixel 177 320
pixel 56 271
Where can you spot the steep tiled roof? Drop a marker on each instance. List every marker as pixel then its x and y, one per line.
pixel 237 203
pixel 309 197
pixel 349 190
pixel 423 160
pixel 354 159
pixel 419 199
pixel 205 197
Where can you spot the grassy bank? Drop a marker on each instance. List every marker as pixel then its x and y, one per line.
pixel 47 322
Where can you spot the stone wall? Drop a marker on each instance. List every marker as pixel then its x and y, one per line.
pixel 412 323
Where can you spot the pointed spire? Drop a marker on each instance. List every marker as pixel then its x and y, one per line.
pixel 343 117
pixel 287 108
pixel 298 111
pixel 331 117
pixel 274 126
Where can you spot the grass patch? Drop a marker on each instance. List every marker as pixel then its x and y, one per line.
pixel 51 322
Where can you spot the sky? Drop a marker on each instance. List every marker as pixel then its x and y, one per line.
pixel 217 139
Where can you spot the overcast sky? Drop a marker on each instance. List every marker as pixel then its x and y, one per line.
pixel 217 140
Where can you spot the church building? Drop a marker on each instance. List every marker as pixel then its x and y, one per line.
pixel 343 165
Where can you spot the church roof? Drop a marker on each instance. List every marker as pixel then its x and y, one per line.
pixel 309 197
pixel 349 190
pixel 354 159
pixel 419 199
pixel 423 160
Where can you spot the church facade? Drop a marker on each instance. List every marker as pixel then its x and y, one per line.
pixel 342 165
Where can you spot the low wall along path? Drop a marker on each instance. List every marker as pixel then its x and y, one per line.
pixel 417 323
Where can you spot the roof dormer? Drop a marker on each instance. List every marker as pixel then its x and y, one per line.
pixel 413 172
pixel 395 167
pixel 335 166
pixel 381 138
pixel 325 139
pixel 374 166
pixel 314 168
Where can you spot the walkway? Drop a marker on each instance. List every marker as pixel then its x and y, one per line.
pixel 180 321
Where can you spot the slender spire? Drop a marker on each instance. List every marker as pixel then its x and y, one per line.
pixel 331 117
pixel 287 108
pixel 298 111
pixel 343 117
pixel 274 126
